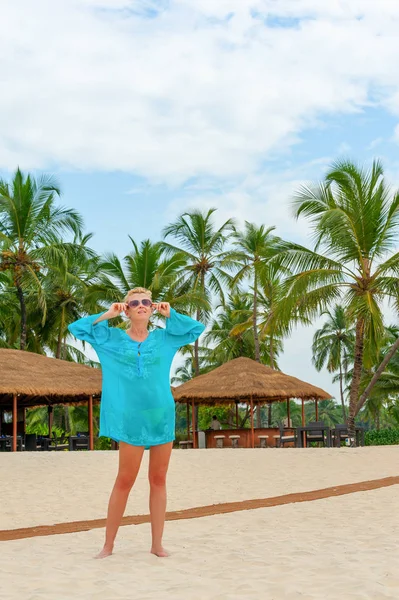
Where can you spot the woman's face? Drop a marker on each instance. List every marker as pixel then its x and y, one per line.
pixel 136 310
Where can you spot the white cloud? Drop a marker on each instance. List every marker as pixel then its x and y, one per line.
pixel 203 89
pixel 375 143
pixel 396 134
pixel 344 148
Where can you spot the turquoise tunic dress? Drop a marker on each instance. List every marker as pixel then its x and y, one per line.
pixel 137 406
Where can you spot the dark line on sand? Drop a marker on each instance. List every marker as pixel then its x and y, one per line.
pixel 202 511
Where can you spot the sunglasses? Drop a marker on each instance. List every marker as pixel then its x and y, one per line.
pixel 135 303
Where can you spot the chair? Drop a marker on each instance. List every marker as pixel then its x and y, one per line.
pixel 78 443
pixel 234 440
pixel 184 444
pixel 316 435
pixel 60 443
pixel 219 440
pixel 340 432
pixel 263 441
pixel 282 439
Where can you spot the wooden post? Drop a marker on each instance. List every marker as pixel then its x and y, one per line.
pixel 188 419
pixel 14 422
pixel 236 415
pixel 50 419
pixel 303 424
pixel 193 422
pixel 1 419
pixel 316 409
pixel 252 424
pixel 90 416
pixel 288 413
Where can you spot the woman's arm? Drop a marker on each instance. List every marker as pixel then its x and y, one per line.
pixel 94 329
pixel 181 330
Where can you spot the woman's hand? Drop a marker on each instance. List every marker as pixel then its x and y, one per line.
pixel 116 309
pixel 163 308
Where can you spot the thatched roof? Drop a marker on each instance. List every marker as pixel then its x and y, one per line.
pixel 241 378
pixel 40 380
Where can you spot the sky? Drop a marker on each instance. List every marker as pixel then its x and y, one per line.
pixel 146 108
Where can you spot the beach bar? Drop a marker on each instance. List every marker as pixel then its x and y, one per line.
pixel 245 381
pixel 28 380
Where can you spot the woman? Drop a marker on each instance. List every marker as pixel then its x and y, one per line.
pixel 137 406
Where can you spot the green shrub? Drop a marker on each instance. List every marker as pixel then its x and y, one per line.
pixel 382 437
pixel 102 443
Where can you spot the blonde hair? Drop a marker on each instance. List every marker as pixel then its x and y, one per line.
pixel 138 290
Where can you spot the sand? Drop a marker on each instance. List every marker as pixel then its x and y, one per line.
pixel 340 547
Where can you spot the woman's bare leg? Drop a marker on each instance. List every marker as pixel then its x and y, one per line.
pixel 129 466
pixel 158 467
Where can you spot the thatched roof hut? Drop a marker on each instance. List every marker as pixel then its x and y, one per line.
pixel 243 378
pixel 29 379
pixel 38 380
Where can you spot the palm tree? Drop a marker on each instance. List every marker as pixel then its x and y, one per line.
pixel 355 222
pixel 186 371
pixel 145 266
pixel 31 226
pixel 332 344
pixel 202 245
pixel 68 292
pixel 254 246
pixel 230 334
pixel 382 391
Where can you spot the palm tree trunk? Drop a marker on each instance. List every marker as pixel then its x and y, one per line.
pixel 59 345
pixel 21 298
pixel 196 349
pixel 377 375
pixel 64 349
pixel 271 351
pixel 357 372
pixel 196 344
pixel 59 341
pixel 255 319
pixel 342 391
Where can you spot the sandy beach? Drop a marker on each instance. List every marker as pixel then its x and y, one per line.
pixel 338 547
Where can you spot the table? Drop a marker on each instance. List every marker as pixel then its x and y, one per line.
pixel 78 440
pixel 338 432
pixel 6 442
pixel 325 431
pixel 43 443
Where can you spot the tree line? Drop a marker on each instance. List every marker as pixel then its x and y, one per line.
pixel 250 286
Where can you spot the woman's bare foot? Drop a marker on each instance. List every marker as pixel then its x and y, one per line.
pixel 160 552
pixel 106 551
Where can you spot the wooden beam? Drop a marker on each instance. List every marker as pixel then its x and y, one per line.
pixel 14 422
pixel 316 409
pixel 90 415
pixel 237 415
pixel 288 413
pixel 49 419
pixel 303 424
pixel 252 424
pixel 188 419
pixel 193 422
